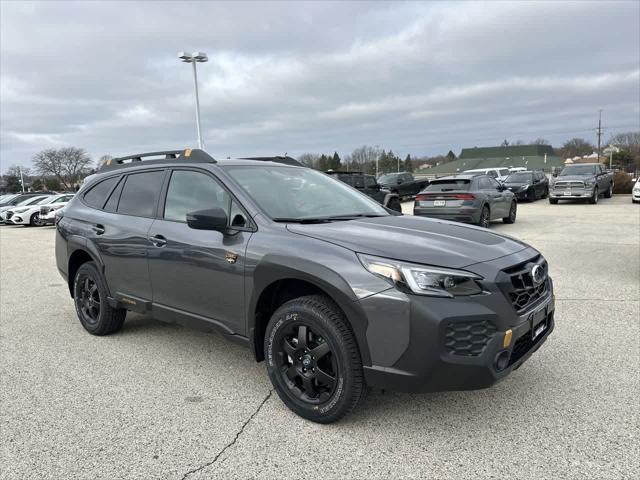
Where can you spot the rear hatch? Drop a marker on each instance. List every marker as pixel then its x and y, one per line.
pixel 445 193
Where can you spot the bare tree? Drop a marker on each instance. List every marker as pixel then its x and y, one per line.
pixel 14 170
pixel 540 141
pixel 309 159
pixel 103 159
pixel 629 142
pixel 576 147
pixel 68 165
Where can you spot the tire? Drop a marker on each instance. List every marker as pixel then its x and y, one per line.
pixel 594 198
pixel 545 194
pixel 90 298
pixel 553 201
pixel 513 210
pixel 336 384
pixel 394 204
pixel 609 192
pixel 34 221
pixel 531 195
pixel 485 217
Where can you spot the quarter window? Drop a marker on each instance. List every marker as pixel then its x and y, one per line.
pixel 369 181
pixel 97 195
pixel 140 193
pixel 191 191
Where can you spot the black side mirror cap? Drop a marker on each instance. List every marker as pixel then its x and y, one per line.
pixel 209 219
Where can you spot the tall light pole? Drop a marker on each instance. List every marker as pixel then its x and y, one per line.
pixel 193 58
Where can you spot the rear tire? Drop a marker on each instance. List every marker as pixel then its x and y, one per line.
pixel 323 386
pixel 609 192
pixel 513 210
pixel 90 298
pixel 485 217
pixel 553 201
pixel 545 194
pixel 594 198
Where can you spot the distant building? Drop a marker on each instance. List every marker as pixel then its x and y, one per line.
pixel 531 157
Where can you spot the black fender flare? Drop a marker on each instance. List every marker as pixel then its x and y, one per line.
pixel 75 243
pixel 274 267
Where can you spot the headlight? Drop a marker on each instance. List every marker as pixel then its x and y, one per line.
pixel 524 187
pixel 422 279
pixel 590 181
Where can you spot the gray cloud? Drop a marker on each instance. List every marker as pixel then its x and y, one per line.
pixel 416 77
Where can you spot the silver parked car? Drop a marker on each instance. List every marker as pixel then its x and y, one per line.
pixel 467 198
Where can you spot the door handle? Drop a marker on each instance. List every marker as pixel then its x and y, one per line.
pixel 158 240
pixel 98 229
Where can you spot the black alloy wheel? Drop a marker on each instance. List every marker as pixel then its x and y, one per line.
pixel 485 217
pixel 307 364
pixel 90 294
pixel 89 301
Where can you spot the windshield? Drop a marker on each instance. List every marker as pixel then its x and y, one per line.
pixel 578 170
pixel 448 185
pixel 388 178
pixel 32 201
pixel 519 178
pixel 295 194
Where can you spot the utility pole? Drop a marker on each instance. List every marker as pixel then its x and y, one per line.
pixel 21 178
pixel 599 132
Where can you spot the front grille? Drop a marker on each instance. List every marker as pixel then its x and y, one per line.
pixel 525 343
pixel 524 292
pixel 468 338
pixel 561 185
pixel 9 215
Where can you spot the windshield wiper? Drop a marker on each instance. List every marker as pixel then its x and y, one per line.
pixel 336 218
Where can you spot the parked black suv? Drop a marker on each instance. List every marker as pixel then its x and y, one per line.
pixel 528 185
pixel 331 289
pixel 368 185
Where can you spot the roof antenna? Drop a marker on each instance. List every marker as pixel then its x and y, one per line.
pixel 285 154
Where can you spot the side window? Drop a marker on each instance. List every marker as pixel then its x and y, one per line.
pixel 493 183
pixel 408 177
pixel 97 195
pixel 112 203
pixel 492 173
pixel 483 183
pixel 140 193
pixel 504 172
pixel 358 181
pixel 369 181
pixel 191 191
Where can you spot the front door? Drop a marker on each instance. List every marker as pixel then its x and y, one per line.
pixel 198 272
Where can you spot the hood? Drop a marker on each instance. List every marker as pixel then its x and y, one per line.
pixel 572 178
pixel 414 239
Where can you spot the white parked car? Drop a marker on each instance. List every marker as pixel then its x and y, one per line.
pixel 30 214
pixel 635 193
pixel 499 174
pixel 52 215
pixel 4 211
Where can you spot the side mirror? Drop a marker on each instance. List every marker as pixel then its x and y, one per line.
pixel 501 188
pixel 554 174
pixel 210 219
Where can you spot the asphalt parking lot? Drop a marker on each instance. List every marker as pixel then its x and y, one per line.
pixel 162 401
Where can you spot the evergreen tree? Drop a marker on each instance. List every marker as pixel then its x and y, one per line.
pixel 408 165
pixel 334 161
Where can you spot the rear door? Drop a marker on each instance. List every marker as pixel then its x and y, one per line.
pixel 119 231
pixel 199 272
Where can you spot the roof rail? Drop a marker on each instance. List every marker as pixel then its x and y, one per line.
pixel 168 156
pixel 287 160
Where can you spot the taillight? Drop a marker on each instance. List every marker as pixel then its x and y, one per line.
pixel 445 196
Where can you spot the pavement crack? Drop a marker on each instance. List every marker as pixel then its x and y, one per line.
pixel 232 442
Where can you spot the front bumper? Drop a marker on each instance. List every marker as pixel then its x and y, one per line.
pixel 570 193
pixel 427 344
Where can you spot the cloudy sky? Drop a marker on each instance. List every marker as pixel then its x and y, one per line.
pixel 420 78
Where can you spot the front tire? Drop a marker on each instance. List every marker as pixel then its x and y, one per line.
pixel 553 201
pixel 34 221
pixel 531 195
pixel 512 213
pixel 90 298
pixel 313 360
pixel 594 198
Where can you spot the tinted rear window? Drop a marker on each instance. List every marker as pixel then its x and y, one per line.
pixel 519 177
pixel 97 195
pixel 140 193
pixel 448 185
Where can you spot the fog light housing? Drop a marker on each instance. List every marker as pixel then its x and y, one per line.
pixel 502 360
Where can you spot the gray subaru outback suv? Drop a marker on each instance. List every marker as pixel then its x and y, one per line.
pixel 331 289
